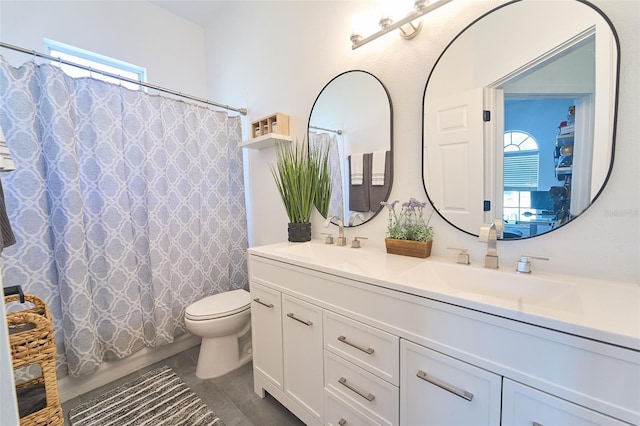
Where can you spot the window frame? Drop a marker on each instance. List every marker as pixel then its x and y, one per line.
pixel 52 47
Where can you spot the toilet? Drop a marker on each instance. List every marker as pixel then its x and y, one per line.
pixel 224 322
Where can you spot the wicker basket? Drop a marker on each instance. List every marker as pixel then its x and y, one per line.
pixel 31 339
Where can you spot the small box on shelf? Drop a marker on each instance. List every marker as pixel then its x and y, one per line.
pixel 276 123
pixel 268 131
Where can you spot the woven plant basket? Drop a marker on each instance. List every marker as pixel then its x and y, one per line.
pixel 31 340
pixel 408 248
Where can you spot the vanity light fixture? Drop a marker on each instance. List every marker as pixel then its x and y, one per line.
pixel 407 26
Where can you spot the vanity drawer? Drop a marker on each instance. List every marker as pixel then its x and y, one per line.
pixel 368 393
pixel 339 413
pixel 370 348
pixel 523 405
pixel 438 389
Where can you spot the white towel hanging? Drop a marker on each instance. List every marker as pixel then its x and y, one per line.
pixel 357 170
pixel 378 168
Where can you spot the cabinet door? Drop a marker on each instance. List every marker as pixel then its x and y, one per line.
pixel 439 390
pixel 526 406
pixel 266 333
pixel 303 353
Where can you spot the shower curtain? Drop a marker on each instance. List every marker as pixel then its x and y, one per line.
pixel 127 207
pixel 336 204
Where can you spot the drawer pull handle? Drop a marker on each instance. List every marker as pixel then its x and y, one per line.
pixel 369 397
pixel 292 316
pixel 344 340
pixel 342 422
pixel 268 305
pixel 454 390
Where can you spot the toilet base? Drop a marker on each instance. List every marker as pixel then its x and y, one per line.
pixel 221 355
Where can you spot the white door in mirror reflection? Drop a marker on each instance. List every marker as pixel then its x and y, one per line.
pixel 455 157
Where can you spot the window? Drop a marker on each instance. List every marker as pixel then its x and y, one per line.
pixel 95 61
pixel 521 168
pixel 521 160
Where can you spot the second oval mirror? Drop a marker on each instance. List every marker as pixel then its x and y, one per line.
pixel 353 116
pixel 519 123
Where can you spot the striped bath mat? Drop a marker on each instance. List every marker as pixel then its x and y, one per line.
pixel 158 397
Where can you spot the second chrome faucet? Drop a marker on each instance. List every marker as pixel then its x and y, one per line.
pixel 489 235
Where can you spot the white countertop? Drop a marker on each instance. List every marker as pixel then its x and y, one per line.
pixel 606 311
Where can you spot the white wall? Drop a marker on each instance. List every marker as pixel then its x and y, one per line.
pixel 277 56
pixel 171 48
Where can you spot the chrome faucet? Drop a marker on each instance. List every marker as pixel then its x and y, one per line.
pixel 524 265
pixel 352 219
pixel 341 240
pixel 489 235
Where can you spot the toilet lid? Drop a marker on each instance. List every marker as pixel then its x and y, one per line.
pixel 219 305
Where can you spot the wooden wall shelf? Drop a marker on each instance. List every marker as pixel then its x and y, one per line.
pixel 268 131
pixel 266 141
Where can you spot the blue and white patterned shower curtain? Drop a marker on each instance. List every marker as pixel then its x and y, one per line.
pixel 127 207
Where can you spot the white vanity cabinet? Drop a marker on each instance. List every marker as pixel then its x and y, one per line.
pixel 375 355
pixel 438 389
pixel 287 351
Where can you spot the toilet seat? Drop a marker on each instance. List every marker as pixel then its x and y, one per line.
pixel 219 305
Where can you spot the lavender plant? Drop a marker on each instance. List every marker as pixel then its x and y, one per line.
pixel 410 223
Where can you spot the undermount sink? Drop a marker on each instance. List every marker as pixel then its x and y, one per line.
pixel 312 250
pixel 497 284
pixel 342 257
pixel 316 251
pixel 465 281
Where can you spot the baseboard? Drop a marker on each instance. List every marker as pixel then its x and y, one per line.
pixel 71 387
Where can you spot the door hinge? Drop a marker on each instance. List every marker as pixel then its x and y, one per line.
pixel 486 115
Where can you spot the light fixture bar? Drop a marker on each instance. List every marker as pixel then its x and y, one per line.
pixel 355 43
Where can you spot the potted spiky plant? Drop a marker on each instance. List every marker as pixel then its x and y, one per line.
pixel 297 175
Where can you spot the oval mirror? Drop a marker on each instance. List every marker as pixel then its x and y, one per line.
pixel 353 116
pixel 519 122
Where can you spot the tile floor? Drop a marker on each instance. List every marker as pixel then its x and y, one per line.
pixel 231 396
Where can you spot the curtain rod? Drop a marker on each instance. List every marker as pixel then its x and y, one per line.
pixel 242 111
pixel 326 130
